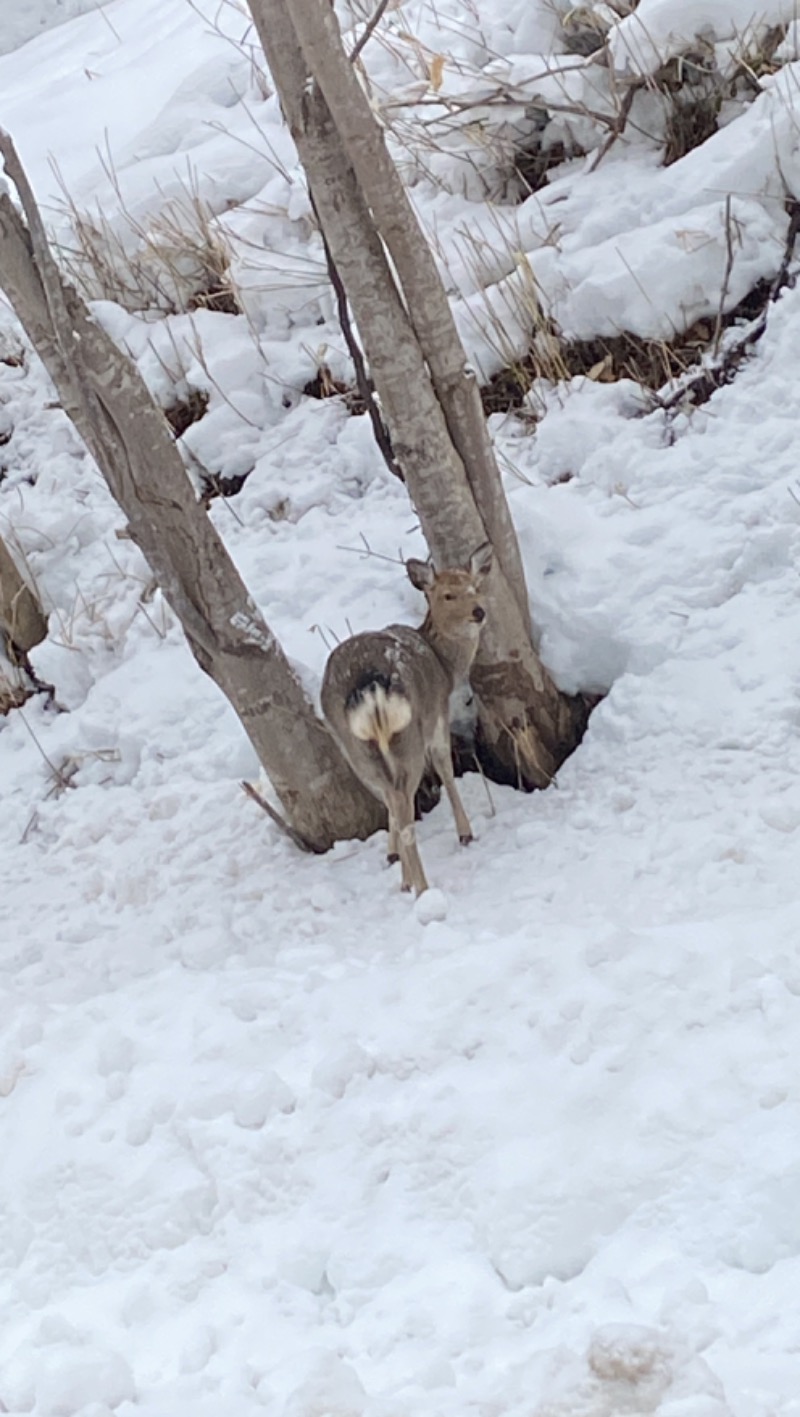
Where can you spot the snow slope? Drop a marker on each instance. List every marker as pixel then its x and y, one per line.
pixel 271 1142
pixel 22 23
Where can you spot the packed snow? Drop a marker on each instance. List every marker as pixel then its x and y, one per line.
pixel 277 1138
pixel 36 16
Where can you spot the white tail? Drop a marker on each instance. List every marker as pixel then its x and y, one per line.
pixel 387 695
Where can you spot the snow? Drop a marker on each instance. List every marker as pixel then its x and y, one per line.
pixel 276 1138
pixel 23 23
pixel 657 30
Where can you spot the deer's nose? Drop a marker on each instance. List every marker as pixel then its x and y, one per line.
pixel 479 614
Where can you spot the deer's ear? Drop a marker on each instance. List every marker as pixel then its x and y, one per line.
pixel 480 562
pixel 421 574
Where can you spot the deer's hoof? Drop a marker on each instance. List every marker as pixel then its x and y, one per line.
pixel 466 839
pixel 392 858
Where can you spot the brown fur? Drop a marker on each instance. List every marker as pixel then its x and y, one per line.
pixel 386 697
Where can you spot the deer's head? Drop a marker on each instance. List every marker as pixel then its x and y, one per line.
pixel 456 603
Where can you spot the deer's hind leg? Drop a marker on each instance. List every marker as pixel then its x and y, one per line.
pixel 393 846
pixel 402 831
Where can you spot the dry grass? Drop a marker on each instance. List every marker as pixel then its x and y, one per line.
pixel 183 412
pixel 533 163
pixel 688 123
pixel 694 361
pixel 755 56
pixel 14 689
pixel 653 364
pixel 583 30
pixel 325 385
pixel 176 262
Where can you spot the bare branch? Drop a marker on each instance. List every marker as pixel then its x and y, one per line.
pixel 294 836
pixel 723 294
pixel 371 26
pixel 365 387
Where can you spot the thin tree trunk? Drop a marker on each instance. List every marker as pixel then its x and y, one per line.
pixel 104 395
pixel 527 725
pixel 456 386
pixel 21 616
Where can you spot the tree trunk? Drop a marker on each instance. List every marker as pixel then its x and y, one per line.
pixel 22 618
pixel 426 300
pixel 527 727
pixel 104 395
pixel 23 624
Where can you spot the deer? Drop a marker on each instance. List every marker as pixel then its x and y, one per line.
pixel 386 697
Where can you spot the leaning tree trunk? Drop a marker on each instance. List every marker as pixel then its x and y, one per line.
pixel 527 726
pixel 424 295
pixel 23 625
pixel 107 400
pixel 22 619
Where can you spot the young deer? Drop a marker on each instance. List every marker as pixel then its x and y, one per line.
pixel 386 695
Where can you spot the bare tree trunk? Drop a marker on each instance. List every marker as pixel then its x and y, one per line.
pixel 21 616
pixel 23 624
pixel 104 395
pixel 429 309
pixel 527 726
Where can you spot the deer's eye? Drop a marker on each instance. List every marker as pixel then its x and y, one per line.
pixel 448 596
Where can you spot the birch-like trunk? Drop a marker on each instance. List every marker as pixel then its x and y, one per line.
pixel 425 298
pixel 22 619
pixel 128 436
pixel 441 444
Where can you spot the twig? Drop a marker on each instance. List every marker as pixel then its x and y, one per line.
pixel 492 808
pixel 60 777
pixel 726 277
pixel 140 605
pixel 368 551
pixel 617 130
pixel 294 836
pixel 318 630
pixel 367 392
pixel 103 16
pixel 371 25
pixel 792 206
pixel 195 344
pixel 631 272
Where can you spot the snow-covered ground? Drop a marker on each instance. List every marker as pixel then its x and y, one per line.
pixel 19 23
pixel 271 1143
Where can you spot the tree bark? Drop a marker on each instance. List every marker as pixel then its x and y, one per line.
pixel 527 727
pixel 456 386
pixel 21 616
pixel 128 436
